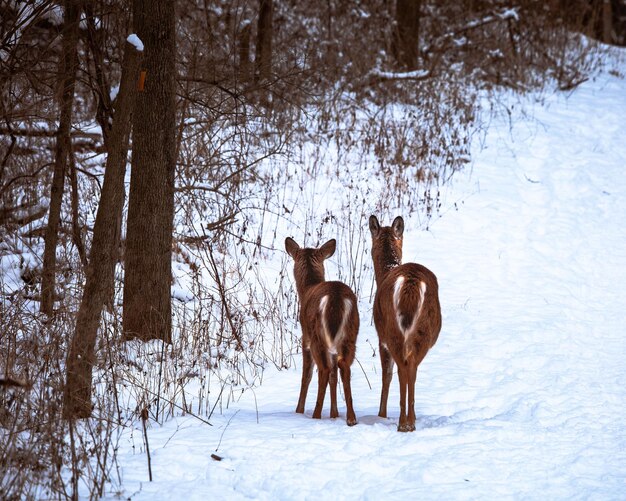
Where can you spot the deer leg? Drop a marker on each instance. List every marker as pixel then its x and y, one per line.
pixel 411 376
pixel 333 387
pixel 386 363
pixel 344 367
pixel 307 372
pixel 418 354
pixel 322 376
pixel 402 376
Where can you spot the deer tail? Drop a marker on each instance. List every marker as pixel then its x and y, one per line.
pixel 334 316
pixel 408 302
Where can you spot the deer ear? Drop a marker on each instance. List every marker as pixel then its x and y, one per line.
pixel 328 249
pixel 398 226
pixel 374 225
pixel 291 247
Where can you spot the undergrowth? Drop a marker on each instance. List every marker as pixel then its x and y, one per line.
pixel 244 182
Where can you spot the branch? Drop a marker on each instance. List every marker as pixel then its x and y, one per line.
pixel 220 224
pixel 34 132
pixel 22 214
pixel 4 188
pixel 9 149
pixel 504 15
pixel 11 382
pixel 213 83
pixel 416 75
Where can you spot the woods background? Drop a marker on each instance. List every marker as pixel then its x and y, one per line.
pixel 118 162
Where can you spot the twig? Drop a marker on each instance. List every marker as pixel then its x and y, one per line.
pixel 75 468
pixel 158 395
pixel 171 402
pixel 220 288
pixel 224 431
pixel 217 400
pixel 144 419
pixel 256 405
pixel 366 378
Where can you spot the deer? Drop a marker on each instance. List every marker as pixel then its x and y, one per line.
pixel 407 316
pixel 329 319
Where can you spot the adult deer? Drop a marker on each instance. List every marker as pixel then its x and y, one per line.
pixel 330 323
pixel 407 315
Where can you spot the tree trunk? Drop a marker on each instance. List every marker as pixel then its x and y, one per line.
pixel 104 253
pixel 607 22
pixel 148 270
pixel 69 67
pixel 263 58
pixel 77 237
pixel 101 89
pixel 243 40
pixel 405 45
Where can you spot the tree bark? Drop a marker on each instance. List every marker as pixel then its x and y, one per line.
pixel 607 22
pixel 77 237
pixel 69 67
pixel 104 247
pixel 148 271
pixel 263 57
pixel 243 40
pixel 405 45
pixel 104 110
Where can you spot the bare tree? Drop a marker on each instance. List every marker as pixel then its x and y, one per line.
pixel 69 67
pixel 148 255
pixel 263 57
pixel 243 39
pixel 406 34
pixel 104 253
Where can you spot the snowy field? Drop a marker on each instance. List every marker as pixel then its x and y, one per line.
pixel 523 396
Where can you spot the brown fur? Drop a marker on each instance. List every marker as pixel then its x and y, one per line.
pixel 335 325
pixel 403 338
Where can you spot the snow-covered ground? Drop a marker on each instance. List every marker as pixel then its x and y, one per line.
pixel 523 396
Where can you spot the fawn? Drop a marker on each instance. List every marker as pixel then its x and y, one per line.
pixel 330 323
pixel 407 315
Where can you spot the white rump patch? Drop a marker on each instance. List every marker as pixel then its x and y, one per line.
pixel 396 293
pixel 331 344
pixel 422 296
pixel 323 303
pixel 397 289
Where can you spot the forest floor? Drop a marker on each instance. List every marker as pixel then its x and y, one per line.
pixel 523 395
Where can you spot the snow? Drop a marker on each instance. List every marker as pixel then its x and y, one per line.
pixel 523 394
pixel 136 41
pixel 509 14
pixel 114 92
pixel 406 75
